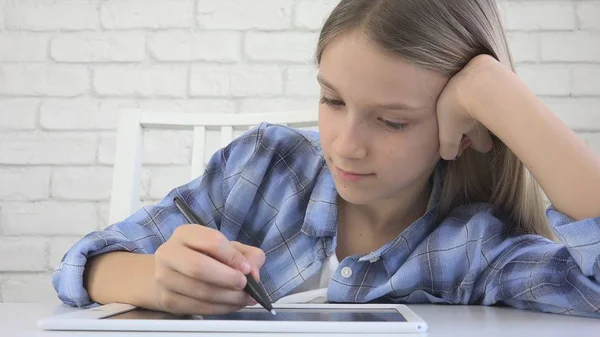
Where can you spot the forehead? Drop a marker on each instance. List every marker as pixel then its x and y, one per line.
pixel 358 68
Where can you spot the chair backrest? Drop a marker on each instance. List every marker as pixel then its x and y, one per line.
pixel 125 196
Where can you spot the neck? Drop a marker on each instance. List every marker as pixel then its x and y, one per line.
pixel 389 217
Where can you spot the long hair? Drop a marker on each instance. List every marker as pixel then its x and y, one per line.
pixel 444 35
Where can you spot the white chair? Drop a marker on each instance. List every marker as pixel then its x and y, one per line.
pixel 125 198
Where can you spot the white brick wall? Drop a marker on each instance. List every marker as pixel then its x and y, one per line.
pixel 67 67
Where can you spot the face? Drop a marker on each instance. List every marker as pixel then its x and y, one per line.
pixel 377 120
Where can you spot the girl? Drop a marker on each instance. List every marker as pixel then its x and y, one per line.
pixel 419 187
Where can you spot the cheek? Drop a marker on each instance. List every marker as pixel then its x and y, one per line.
pixel 412 153
pixel 326 127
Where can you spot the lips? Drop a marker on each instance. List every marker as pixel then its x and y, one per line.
pixel 351 172
pixel 351 176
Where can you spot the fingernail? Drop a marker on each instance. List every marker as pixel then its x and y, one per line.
pixel 246 269
pixel 242 282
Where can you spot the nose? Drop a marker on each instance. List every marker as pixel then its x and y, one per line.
pixel 349 143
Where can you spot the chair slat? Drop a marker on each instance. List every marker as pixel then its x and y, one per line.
pixel 125 193
pixel 226 135
pixel 125 197
pixel 198 151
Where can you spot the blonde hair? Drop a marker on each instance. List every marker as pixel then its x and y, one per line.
pixel 444 35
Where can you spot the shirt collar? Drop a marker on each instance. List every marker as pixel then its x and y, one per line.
pixel 321 213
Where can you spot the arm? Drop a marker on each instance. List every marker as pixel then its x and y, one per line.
pixel 565 167
pixel 121 277
pixel 117 261
pixel 531 272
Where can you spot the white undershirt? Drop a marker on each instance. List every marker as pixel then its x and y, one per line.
pixel 314 289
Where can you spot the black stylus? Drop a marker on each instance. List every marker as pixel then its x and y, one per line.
pixel 253 288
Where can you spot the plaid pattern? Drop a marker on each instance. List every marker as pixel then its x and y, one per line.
pixel 271 188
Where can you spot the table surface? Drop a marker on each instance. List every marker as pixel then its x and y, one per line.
pixel 19 319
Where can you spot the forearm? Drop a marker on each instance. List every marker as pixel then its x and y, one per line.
pixel 565 167
pixel 121 277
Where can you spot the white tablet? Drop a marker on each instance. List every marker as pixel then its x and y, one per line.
pixel 315 318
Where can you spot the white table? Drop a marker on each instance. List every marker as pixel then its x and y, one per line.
pixel 19 319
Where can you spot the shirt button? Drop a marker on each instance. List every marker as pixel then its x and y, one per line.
pixel 346 272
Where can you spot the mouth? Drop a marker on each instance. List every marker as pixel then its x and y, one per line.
pixel 351 176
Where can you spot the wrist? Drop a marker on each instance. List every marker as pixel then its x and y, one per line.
pixel 485 84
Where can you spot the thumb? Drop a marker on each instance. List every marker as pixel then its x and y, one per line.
pixel 254 255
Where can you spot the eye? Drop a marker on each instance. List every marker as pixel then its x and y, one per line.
pixel 332 102
pixel 393 125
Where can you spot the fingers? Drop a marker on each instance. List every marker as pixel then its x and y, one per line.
pixel 452 145
pixel 480 138
pixel 179 304
pixel 254 255
pixel 203 292
pixel 450 133
pixel 214 244
pixel 200 267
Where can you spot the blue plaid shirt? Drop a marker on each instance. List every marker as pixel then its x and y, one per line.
pixel 272 189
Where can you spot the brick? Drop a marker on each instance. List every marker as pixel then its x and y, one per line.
pixel 43 80
pixel 103 213
pixel 592 139
pixel 18 183
pixel 81 183
pixel 18 114
pixel 586 80
pixel 21 47
pixel 539 15
pixel 2 25
pixel 582 114
pixel 29 288
pixel 117 14
pixel 164 179
pixel 276 46
pixel 98 47
pixel 82 113
pixel 196 46
pixel 570 47
pixel 62 149
pixel 546 79
pixel 301 81
pixel 251 105
pixel 31 252
pixel 588 15
pixel 237 81
pixel 311 14
pixel 58 248
pixel 106 148
pixel 201 105
pixel 48 218
pixel 141 81
pixel 245 14
pixel 524 47
pixel 39 15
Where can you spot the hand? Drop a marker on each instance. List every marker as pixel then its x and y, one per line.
pixel 458 127
pixel 198 271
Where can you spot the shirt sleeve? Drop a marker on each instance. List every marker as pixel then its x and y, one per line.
pixel 149 227
pixel 531 272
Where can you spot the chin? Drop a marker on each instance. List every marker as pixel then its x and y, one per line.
pixel 353 196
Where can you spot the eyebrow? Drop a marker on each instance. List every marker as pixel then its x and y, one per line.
pixel 394 106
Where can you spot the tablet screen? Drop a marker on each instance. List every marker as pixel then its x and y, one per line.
pixel 283 314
